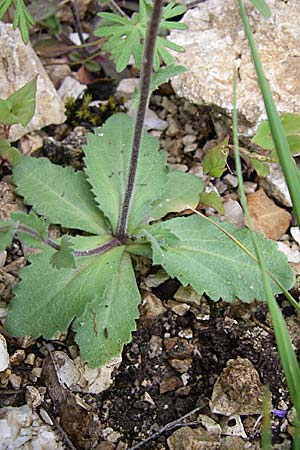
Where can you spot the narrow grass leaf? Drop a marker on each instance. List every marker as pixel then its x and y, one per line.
pixel 287 163
pixel 286 352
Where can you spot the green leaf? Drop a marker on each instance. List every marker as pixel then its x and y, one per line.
pixel 92 66
pixel 4 5
pixel 7 231
pixel 107 161
pixel 181 190
pixel 107 322
pixel 31 229
pixel 22 19
pixel 210 262
pixel 60 194
pixel 215 160
pixel 9 153
pixel 64 256
pixel 212 199
pixel 291 126
pixel 125 36
pixel 163 75
pixel 6 118
pixel 262 7
pixel 48 300
pixel 263 136
pixel 173 10
pixel 262 168
pixel 22 102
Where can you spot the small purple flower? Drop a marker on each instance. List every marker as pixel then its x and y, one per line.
pixel 280 413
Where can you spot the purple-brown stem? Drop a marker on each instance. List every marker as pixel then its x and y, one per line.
pixel 114 242
pixel 146 72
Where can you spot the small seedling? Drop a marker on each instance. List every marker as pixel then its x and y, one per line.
pixel 19 107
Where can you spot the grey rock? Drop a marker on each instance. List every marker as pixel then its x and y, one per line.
pixel 295 232
pixel 234 212
pixel 18 65
pixel 152 121
pixel 231 180
pixel 233 443
pixel 127 86
pixel 250 187
pixel 178 308
pixel 232 426
pixel 189 139
pixel 70 87
pixel 275 185
pixel 293 256
pixel 215 41
pixel 205 437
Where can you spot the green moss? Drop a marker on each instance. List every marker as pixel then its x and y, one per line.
pixel 79 112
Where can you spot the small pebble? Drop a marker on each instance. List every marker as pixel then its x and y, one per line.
pixel 188 139
pixel 295 232
pixel 250 187
pixel 15 381
pixel 190 148
pixel 4 357
pixel 231 180
pixel 30 359
pixel 45 417
pixel 17 357
pixel 33 397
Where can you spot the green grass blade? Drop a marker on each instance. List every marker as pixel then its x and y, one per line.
pixel 285 349
pixel 287 163
pixel 266 438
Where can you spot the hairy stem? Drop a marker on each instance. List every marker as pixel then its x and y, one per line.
pixel 146 73
pixel 75 14
pixel 114 242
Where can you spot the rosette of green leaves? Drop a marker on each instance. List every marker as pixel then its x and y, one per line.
pixel 126 35
pixel 74 282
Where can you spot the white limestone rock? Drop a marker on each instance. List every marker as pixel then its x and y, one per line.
pixel 4 357
pixel 22 428
pixel 70 87
pixel 18 65
pixel 275 185
pixel 215 40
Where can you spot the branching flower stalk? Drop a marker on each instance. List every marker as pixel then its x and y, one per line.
pixel 146 73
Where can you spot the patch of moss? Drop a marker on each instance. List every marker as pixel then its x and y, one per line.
pixel 80 113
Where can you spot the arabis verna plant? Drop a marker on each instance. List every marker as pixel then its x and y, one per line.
pixel 112 210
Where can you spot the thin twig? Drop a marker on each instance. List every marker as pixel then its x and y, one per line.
pixel 146 73
pixel 168 427
pixel 116 8
pixel 77 24
pixel 64 435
